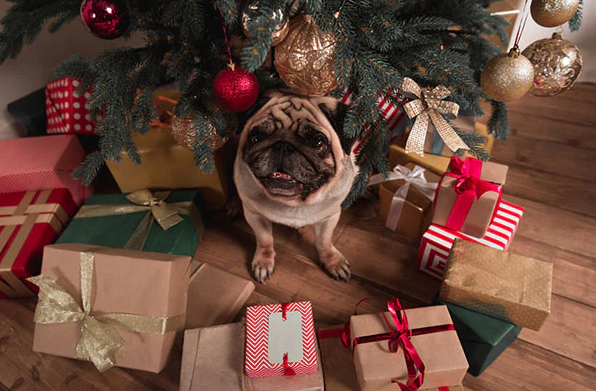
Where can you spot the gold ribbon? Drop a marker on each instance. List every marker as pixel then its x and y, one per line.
pixel 429 107
pixel 100 340
pixel 166 215
pixel 26 214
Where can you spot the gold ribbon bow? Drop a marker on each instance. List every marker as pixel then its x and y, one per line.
pixel 429 104
pixel 165 215
pixel 99 339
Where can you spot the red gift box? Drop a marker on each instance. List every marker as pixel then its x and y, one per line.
pixel 280 340
pixel 67 111
pixel 46 162
pixel 437 241
pixel 28 221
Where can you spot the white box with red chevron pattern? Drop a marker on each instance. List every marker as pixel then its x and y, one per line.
pixel 280 340
pixel 437 241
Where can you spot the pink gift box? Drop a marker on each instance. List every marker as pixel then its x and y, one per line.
pixel 47 162
pixel 437 241
pixel 67 111
pixel 280 340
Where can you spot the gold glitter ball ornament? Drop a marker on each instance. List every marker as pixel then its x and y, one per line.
pixel 557 65
pixel 251 12
pixel 507 77
pixel 305 60
pixel 185 133
pixel 553 13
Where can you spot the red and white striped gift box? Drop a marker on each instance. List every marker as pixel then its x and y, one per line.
pixel 277 330
pixel 437 241
pixel 66 110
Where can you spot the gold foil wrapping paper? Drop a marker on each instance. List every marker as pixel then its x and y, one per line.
pixel 507 286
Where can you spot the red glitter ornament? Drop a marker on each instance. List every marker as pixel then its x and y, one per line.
pixel 235 88
pixel 106 19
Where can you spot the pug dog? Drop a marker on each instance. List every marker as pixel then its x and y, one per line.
pixel 294 167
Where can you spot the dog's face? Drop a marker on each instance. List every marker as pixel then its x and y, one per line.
pixel 292 144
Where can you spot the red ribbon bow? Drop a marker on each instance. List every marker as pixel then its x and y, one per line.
pixel 468 187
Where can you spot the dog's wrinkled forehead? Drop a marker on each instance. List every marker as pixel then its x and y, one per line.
pixel 288 111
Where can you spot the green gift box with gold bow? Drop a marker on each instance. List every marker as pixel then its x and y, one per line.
pixel 168 222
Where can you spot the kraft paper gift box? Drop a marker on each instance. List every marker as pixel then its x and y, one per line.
pixel 497 283
pixel 482 337
pixel 438 348
pixel 67 110
pixel 468 194
pixel 214 296
pixel 436 164
pixel 28 221
pixel 47 162
pixel 132 221
pixel 165 164
pixel 280 340
pixel 212 359
pixel 437 240
pixel 406 203
pixel 117 307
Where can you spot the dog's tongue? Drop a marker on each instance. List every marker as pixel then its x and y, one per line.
pixel 281 175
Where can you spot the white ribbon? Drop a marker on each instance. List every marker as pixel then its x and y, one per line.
pixel 414 177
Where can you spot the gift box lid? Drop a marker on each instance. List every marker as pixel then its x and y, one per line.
pixel 491 172
pixel 478 327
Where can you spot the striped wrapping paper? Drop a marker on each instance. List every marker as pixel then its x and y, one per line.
pixel 265 349
pixel 437 241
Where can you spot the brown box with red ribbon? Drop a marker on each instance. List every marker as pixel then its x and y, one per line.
pixel 28 221
pixel 468 194
pixel 416 348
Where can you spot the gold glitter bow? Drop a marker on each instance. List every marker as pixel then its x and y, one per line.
pixel 99 339
pixel 430 105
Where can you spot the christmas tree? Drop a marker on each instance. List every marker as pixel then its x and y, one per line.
pixel 376 44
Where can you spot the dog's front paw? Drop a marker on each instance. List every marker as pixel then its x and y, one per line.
pixel 263 265
pixel 337 265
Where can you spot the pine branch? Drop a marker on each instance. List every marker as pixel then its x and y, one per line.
pixel 575 22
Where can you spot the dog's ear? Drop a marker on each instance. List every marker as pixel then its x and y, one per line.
pixel 336 111
pixel 243 117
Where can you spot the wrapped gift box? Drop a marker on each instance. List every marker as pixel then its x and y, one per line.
pixel 468 194
pixel 34 163
pixel 415 214
pixel 506 286
pixel 482 337
pixel 437 241
pixel 165 164
pixel 67 111
pixel 28 221
pixel 439 349
pixel 214 297
pixel 436 164
pixel 280 339
pixel 154 287
pixel 114 220
pixel 212 359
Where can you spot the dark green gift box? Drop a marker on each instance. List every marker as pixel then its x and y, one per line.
pixel 482 337
pixel 112 220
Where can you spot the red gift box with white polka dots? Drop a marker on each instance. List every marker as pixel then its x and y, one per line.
pixel 66 110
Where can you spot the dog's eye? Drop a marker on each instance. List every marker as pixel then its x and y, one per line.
pixel 320 143
pixel 257 137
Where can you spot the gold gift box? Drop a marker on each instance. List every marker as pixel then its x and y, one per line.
pixel 167 165
pixel 417 210
pixel 436 164
pixel 497 283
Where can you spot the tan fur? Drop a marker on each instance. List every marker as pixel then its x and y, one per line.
pixel 321 209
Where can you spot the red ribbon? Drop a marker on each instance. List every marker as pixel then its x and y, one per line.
pixel 468 187
pixel 288 370
pixel 284 311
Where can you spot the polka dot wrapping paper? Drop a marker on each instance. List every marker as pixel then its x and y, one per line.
pixel 66 110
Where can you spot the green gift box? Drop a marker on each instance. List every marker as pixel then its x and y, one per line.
pixel 482 337
pixel 164 222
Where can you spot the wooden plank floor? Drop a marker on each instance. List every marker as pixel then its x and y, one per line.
pixel 552 157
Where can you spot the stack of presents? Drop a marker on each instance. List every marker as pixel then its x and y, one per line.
pixel 117 284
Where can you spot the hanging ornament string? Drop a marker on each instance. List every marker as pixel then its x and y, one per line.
pixel 522 25
pixel 225 33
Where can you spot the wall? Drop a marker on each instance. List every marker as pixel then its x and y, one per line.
pixel 35 65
